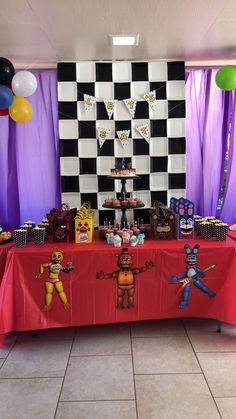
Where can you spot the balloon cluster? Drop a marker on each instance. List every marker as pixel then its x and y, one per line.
pixel 14 88
pixel 226 77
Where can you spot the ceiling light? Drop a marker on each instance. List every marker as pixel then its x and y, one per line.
pixel 124 39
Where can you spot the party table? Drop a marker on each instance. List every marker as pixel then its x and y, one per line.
pixel 91 288
pixel 4 248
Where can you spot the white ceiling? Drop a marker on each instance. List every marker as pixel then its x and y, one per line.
pixel 39 33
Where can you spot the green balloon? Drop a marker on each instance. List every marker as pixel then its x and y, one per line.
pixel 226 77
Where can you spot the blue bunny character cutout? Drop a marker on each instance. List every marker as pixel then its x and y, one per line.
pixel 191 276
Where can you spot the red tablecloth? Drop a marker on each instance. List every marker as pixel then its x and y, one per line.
pixel 4 248
pixel 232 234
pixel 94 301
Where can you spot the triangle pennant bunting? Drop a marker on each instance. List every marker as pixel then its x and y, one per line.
pixel 144 131
pixel 131 105
pixel 110 106
pixel 124 137
pixel 89 102
pixel 151 99
pixel 102 135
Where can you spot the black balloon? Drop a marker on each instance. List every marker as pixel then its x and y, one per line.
pixel 7 71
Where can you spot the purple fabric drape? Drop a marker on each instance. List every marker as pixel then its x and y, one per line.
pixel 207 121
pixel 228 209
pixel 29 158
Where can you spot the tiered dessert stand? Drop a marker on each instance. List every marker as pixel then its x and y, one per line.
pixel 123 192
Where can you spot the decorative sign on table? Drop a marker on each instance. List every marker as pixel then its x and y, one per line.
pixel 163 222
pixel 185 212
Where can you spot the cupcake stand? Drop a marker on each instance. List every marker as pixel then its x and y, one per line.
pixel 123 193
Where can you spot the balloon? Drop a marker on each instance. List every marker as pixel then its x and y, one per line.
pixel 226 77
pixel 7 71
pixel 6 97
pixel 24 83
pixel 4 112
pixel 20 110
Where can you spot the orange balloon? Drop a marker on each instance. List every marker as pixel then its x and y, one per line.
pixel 20 109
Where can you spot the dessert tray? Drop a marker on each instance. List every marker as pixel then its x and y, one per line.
pixel 6 240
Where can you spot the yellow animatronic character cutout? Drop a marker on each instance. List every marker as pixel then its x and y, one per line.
pixel 53 281
pixel 84 224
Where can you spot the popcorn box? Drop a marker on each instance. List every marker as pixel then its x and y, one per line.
pixel 185 217
pixel 163 222
pixel 84 224
pixel 62 223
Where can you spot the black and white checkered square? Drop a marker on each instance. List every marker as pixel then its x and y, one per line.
pixel 85 166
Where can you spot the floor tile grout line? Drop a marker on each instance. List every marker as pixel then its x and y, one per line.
pixel 97 400
pixel 170 373
pixel 215 352
pixel 31 378
pixel 103 355
pixel 159 336
pixel 132 360
pixel 13 345
pixel 201 370
pixel 63 380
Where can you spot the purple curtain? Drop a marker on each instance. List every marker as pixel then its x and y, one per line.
pixel 228 209
pixel 29 158
pixel 207 122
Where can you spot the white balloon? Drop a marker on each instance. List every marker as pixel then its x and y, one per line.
pixel 24 83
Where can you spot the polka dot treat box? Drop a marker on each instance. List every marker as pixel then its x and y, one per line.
pixel 20 236
pixel 39 235
pixel 206 230
pixel 221 231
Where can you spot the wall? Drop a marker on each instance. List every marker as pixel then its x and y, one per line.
pixel 85 166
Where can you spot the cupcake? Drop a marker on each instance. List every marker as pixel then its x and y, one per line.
pixel 133 203
pixel 117 241
pixel 108 201
pixel 124 203
pixel 116 203
pixel 133 241
pixel 125 237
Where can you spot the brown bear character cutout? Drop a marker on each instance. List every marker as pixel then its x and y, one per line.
pixel 125 277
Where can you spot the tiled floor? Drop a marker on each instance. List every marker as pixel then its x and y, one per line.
pixel 165 369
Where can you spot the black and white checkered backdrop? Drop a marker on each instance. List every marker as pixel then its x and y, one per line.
pixel 85 166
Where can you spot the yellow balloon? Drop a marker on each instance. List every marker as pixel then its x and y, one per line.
pixel 20 109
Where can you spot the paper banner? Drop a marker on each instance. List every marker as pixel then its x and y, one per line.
pixel 131 105
pixel 102 135
pixel 110 106
pixel 89 102
pixel 124 137
pixel 144 131
pixel 151 99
